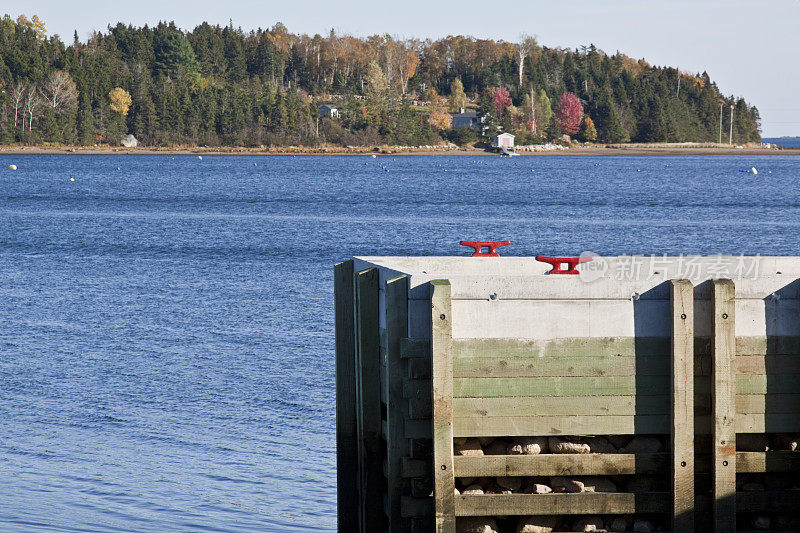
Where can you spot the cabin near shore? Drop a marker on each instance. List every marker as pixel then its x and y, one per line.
pixel 468 119
pixel 503 141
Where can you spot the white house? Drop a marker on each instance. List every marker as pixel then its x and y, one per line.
pixel 328 110
pixel 504 141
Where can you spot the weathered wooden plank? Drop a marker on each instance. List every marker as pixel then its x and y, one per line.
pixel 561 406
pixel 417 429
pixel 682 391
pixel 414 507
pixel 416 389
pixel 569 347
pixel 784 501
pixel 767 423
pixel 518 426
pixel 560 465
pixel 415 348
pixel 773 345
pixel 396 298
pixel 369 400
pixel 347 482
pixel 612 347
pixel 768 403
pixel 559 386
pixel 442 397
pixel 420 409
pixel 560 504
pixel 415 467
pixel 776 383
pixel 724 407
pixel 768 364
pixel 558 366
pixel 756 462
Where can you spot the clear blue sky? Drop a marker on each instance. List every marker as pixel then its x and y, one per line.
pixel 750 48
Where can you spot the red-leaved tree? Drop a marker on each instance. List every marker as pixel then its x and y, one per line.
pixel 501 100
pixel 569 113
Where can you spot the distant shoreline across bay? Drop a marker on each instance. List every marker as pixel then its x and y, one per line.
pixel 599 150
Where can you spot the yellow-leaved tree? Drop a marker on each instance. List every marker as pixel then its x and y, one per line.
pixel 120 100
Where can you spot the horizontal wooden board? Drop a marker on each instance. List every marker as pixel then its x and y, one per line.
pixel 560 464
pixel 767 364
pixel 494 387
pixel 520 426
pixel 561 406
pixel 767 423
pixel 413 507
pixel 766 501
pixel 417 429
pixel 778 383
pixel 556 366
pixel 415 348
pixel 558 386
pixel 563 347
pixel 560 504
pixel 417 389
pixel 614 365
pixel 778 461
pixel 415 467
pixel 773 344
pixel 768 403
pixel 614 346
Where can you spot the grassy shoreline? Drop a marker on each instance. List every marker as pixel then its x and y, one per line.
pixel 596 150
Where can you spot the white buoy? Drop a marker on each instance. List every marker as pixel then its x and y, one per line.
pixel 753 170
pixel 374 156
pixel 200 157
pixel 72 179
pixel 12 167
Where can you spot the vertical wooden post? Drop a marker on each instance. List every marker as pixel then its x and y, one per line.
pixel 442 398
pixel 724 406
pixel 346 442
pixel 368 385
pixel 396 298
pixel 682 306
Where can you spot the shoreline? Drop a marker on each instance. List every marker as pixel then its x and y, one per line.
pixel 638 150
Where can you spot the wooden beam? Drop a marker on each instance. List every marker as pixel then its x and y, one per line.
pixel 606 464
pixel 723 406
pixel 521 426
pixel 346 443
pixel 560 504
pixel 368 377
pixel 779 501
pixel 759 462
pixel 682 391
pixel 442 397
pixel 396 298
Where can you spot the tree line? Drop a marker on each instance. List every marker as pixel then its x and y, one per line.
pixel 224 86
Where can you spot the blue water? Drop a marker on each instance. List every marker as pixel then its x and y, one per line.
pixel 786 142
pixel 166 323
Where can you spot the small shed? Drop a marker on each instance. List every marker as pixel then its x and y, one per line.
pixel 328 110
pixel 504 140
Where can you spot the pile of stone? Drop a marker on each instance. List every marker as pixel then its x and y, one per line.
pixel 549 524
pixel 557 484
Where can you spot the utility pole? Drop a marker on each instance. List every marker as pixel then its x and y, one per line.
pixel 730 141
pixel 720 123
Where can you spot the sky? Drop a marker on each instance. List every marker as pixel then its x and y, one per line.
pixel 749 48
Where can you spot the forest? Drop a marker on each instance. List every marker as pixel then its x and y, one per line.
pixel 222 86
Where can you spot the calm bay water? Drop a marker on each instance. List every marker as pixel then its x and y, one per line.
pixel 166 323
